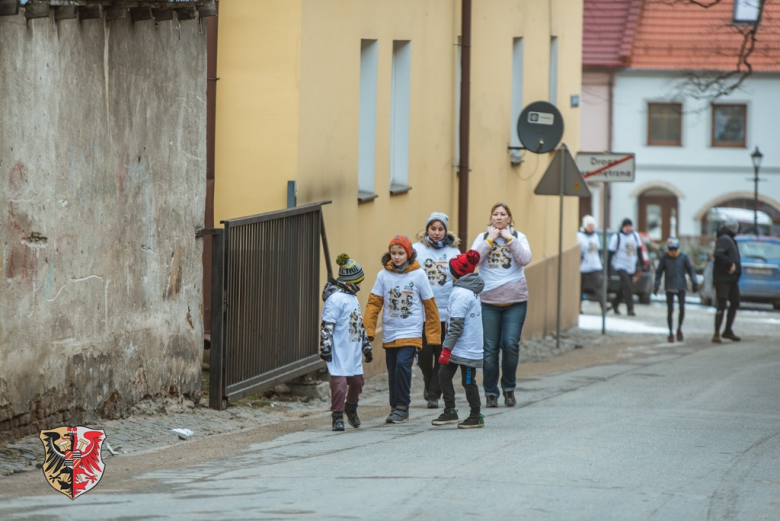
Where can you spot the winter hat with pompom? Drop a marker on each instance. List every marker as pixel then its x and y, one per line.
pixel 349 270
pixel 463 264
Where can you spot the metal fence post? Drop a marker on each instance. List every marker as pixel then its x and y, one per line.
pixel 216 372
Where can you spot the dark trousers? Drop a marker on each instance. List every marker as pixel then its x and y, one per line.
pixel 593 281
pixel 626 291
pixel 345 389
pixel 428 360
pixel 468 379
pixel 726 293
pixel 399 374
pixel 670 309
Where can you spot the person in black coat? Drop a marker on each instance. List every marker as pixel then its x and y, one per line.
pixel 725 277
pixel 673 265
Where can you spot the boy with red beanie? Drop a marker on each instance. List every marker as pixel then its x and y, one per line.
pixel 463 346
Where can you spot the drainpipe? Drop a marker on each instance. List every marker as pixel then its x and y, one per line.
pixel 211 111
pixel 465 106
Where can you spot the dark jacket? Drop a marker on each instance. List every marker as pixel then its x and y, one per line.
pixel 673 269
pixel 726 254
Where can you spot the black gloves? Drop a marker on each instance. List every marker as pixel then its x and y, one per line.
pixel 369 356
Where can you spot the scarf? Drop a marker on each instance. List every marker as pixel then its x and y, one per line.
pixel 448 240
pixel 346 287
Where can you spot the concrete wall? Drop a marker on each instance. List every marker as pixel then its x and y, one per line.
pixel 700 174
pixel 102 154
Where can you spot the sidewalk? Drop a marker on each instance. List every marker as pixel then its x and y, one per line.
pixel 150 428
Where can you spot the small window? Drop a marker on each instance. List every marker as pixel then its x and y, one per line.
pixel 664 122
pixel 728 125
pixel 746 11
pixel 400 94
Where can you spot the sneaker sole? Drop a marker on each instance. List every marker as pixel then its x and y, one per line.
pixel 398 421
pixel 444 422
pixel 478 426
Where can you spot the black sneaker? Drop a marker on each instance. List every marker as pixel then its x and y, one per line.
pixel 631 313
pixel 352 417
pixel 472 422
pixel 509 399
pixel 426 395
pixel 447 417
pixel 731 336
pixel 433 403
pixel 491 401
pixel 399 415
pixel 338 421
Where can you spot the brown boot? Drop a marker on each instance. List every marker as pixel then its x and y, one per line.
pixel 716 339
pixel 679 335
pixel 670 338
pixel 731 336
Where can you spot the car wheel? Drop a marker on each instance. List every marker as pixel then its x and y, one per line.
pixel 776 305
pixel 644 298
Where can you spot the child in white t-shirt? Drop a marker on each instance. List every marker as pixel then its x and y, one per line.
pixel 342 339
pixel 404 296
pixel 463 346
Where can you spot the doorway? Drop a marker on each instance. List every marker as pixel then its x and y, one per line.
pixel 658 214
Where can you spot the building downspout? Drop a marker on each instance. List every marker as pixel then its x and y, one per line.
pixel 606 205
pixel 211 111
pixel 465 106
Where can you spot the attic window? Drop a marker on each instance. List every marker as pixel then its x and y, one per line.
pixel 746 11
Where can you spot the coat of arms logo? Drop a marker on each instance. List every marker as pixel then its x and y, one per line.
pixel 72 462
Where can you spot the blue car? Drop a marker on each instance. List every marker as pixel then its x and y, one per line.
pixel 760 280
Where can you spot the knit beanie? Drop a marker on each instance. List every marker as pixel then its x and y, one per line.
pixel 464 263
pixel 438 216
pixel 349 270
pixel 404 242
pixel 626 222
pixel 588 220
pixel 672 243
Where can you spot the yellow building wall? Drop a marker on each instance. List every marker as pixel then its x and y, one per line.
pixel 258 103
pixel 288 108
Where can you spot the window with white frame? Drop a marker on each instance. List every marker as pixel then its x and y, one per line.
pixel 399 116
pixel 728 125
pixel 517 96
pixel 746 11
pixel 367 119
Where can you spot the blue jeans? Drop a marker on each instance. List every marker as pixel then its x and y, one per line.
pixel 502 328
pixel 399 374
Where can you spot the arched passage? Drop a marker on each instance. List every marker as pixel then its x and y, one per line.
pixel 658 213
pixel 742 200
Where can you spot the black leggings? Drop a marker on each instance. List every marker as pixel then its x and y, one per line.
pixel 670 309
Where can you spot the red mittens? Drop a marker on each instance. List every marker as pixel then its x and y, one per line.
pixel 444 357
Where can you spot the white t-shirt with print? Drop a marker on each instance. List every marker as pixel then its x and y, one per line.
pixel 499 267
pixel 344 311
pixel 464 303
pixel 403 315
pixel 589 251
pixel 625 257
pixel 435 263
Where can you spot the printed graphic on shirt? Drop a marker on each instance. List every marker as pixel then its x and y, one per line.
pixel 436 271
pixel 500 257
pixel 355 325
pixel 630 249
pixel 593 247
pixel 401 301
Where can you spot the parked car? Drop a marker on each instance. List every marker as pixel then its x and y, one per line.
pixel 760 280
pixel 643 288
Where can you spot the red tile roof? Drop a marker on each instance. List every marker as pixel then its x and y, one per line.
pixel 608 31
pixel 684 36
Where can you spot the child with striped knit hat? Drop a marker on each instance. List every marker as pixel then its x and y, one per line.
pixel 342 340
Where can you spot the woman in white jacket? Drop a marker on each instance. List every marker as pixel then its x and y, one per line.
pixel 504 252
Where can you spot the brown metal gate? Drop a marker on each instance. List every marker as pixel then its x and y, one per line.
pixel 265 320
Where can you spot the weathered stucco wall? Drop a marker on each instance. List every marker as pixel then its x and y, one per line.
pixel 102 166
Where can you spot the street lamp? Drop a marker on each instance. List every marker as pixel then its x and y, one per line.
pixel 756 156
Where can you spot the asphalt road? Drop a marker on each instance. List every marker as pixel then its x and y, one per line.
pixel 685 431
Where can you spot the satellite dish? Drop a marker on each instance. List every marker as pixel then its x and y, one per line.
pixel 540 127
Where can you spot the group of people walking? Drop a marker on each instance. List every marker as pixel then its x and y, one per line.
pixel 434 308
pixel 625 257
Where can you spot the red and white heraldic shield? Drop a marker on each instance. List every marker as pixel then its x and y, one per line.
pixel 72 462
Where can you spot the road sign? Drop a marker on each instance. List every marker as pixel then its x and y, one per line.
pixel 606 167
pixel 562 167
pixel 540 127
